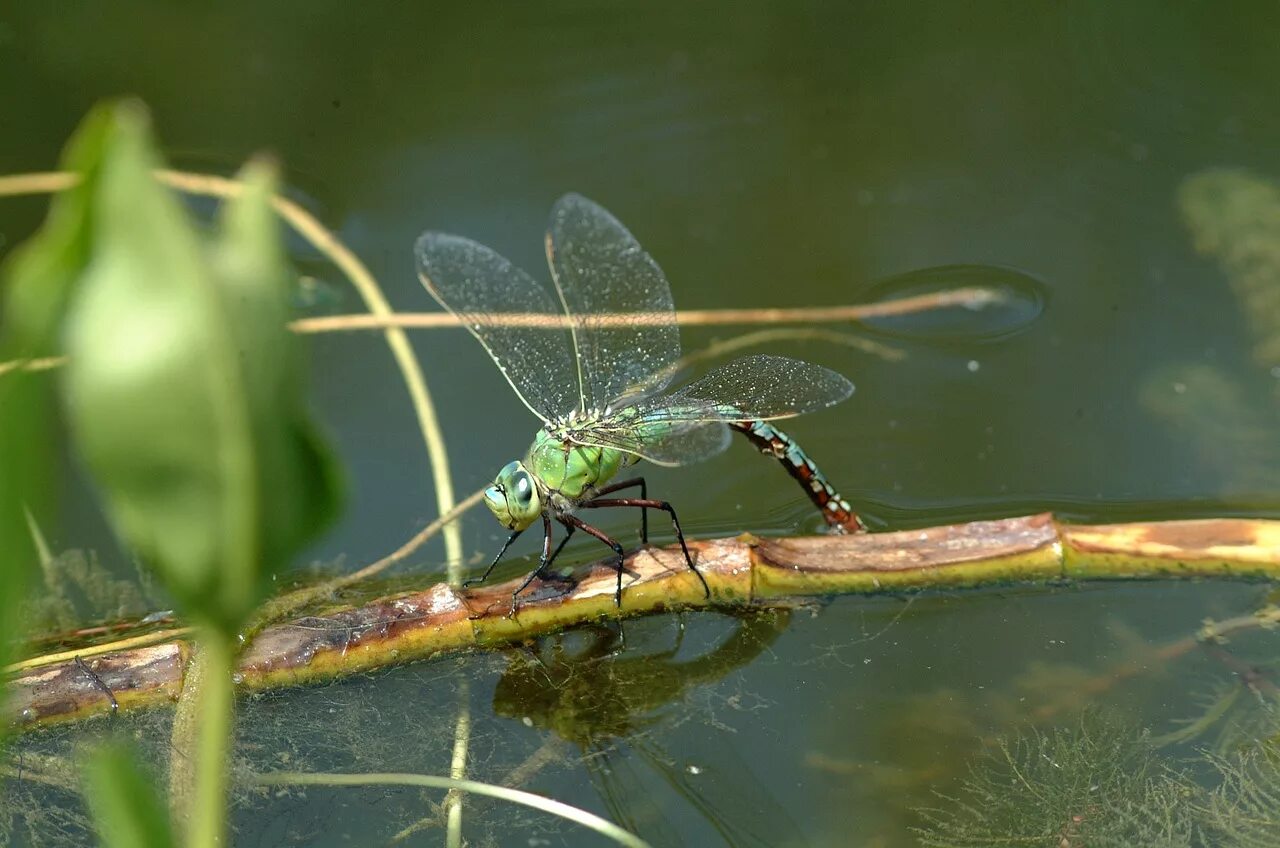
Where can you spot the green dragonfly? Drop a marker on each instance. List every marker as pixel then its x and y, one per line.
pixel 593 362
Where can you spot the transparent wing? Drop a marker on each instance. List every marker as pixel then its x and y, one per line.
pixel 764 387
pixel 688 425
pixel 662 441
pixel 601 272
pixel 479 286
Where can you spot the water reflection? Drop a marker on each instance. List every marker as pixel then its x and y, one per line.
pixel 1019 299
pixel 611 701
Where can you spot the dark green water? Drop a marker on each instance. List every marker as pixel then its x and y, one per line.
pixel 766 155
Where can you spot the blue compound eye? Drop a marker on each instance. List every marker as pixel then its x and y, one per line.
pixel 523 487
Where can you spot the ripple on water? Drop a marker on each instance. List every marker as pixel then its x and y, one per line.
pixel 1019 299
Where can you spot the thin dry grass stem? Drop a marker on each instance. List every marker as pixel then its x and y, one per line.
pixel 96 650
pixel 726 346
pixel 284 605
pixel 364 282
pixel 16 185
pixel 972 297
pixel 46 363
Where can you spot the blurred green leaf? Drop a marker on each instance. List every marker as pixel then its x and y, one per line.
pixel 36 279
pixel 41 274
pixel 123 799
pixel 183 389
pixel 24 456
pixel 297 477
pixel 1234 216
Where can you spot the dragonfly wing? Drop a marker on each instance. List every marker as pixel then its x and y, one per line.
pixel 601 272
pixel 688 425
pixel 479 286
pixel 760 387
pixel 659 440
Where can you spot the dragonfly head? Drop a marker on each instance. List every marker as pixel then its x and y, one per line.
pixel 513 498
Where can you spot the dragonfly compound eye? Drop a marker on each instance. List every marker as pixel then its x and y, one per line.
pixel 523 488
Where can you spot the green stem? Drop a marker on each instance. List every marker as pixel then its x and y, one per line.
pixel 208 813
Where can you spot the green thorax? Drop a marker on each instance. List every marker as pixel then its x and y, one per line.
pixel 573 471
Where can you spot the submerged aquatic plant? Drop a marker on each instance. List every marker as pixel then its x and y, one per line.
pixel 1097 784
pixel 1244 810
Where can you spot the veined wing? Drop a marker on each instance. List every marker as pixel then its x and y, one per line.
pixel 478 285
pixel 661 439
pixel 601 272
pixel 688 424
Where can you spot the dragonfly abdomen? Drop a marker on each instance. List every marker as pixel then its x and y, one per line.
pixel 770 440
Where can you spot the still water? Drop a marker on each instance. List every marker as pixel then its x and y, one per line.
pixel 766 155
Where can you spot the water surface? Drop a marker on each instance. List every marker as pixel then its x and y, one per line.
pixel 766 155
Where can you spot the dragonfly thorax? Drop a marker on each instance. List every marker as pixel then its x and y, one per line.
pixel 568 472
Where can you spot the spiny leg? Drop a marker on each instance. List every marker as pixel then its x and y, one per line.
pixel 489 570
pixel 644 493
pixel 770 440
pixel 546 561
pixel 546 558
pixel 569 528
pixel 646 503
pixel 575 521
pixel 99 684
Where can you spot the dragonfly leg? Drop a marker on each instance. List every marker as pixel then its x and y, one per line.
pixel 489 570
pixel 543 562
pixel 770 440
pixel 646 503
pixel 644 493
pixel 99 684
pixel 569 528
pixel 575 521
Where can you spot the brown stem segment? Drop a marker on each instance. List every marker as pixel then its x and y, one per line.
pixel 741 572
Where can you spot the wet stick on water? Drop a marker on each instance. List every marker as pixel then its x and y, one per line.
pixel 743 573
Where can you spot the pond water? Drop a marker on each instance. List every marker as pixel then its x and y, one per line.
pixel 1119 159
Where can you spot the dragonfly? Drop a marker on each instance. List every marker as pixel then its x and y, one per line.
pixel 594 362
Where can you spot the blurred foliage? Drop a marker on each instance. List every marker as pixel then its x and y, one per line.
pixel 1234 216
pixel 24 454
pixel 36 278
pixel 184 389
pixel 123 799
pixel 184 398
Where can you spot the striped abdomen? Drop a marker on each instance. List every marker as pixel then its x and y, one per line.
pixel 770 440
